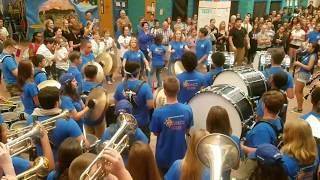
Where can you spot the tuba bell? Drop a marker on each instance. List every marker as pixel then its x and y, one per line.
pixel 118 142
pixel 219 153
pixel 39 169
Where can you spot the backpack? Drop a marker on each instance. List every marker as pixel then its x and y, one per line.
pixel 131 95
pixel 279 133
pixel 35 75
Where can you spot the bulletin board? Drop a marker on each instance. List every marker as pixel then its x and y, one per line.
pixel 219 10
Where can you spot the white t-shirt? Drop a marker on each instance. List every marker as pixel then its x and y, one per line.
pixel 44 51
pixel 61 54
pixel 297 34
pixel 108 42
pixel 97 48
pixel 123 41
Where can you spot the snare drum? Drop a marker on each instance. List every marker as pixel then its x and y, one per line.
pixel 262 61
pixel 235 101
pixel 229 60
pixel 250 81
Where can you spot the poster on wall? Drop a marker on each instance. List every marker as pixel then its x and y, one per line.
pixel 218 10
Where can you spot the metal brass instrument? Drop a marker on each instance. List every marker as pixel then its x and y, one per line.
pixel 40 169
pixel 219 153
pixel 118 142
pixel 22 138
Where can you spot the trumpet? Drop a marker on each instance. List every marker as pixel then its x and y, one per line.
pixel 118 142
pixel 24 142
pixel 40 169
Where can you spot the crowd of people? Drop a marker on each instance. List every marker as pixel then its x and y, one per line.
pixel 65 54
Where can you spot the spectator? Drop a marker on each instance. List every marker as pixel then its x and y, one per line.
pixel 48 32
pixel 35 43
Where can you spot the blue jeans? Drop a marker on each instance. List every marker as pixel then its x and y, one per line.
pixel 158 71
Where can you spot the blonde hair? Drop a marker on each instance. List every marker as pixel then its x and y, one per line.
pixel 79 164
pixel 299 141
pixel 137 42
pixel 46 23
pixel 191 167
pixel 63 27
pixel 175 36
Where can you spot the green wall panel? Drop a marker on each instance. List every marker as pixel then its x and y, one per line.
pixel 166 6
pixel 135 10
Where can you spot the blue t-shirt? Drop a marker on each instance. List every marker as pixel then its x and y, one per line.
pixel 273 70
pixel 212 74
pixel 293 169
pixel 314 37
pixel 77 74
pixel 64 128
pixel 203 47
pixel 158 53
pixel 175 171
pixel 171 122
pixel 305 116
pixel 85 59
pixel 53 175
pixel 30 90
pixel 71 105
pixel 134 56
pixel 306 59
pixel 263 133
pixel 178 50
pixel 141 113
pixel 89 85
pixel 1 119
pixel 190 84
pixel 145 40
pixel 8 65
pixel 39 76
pixel 20 165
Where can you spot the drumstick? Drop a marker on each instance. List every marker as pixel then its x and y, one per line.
pixel 10 105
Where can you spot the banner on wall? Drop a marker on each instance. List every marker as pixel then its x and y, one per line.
pixel 37 11
pixel 218 10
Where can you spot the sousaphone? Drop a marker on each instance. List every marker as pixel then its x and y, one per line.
pixel 106 62
pixel 101 99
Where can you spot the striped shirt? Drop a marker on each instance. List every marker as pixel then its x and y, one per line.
pixel 167 34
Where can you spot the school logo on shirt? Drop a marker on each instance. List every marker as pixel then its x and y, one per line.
pixel 181 46
pixel 175 122
pixel 202 46
pixel 190 84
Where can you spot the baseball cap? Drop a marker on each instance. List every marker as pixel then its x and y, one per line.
pixel 66 78
pixel 266 154
pixel 123 106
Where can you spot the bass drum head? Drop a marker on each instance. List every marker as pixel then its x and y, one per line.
pixel 202 103
pixel 232 78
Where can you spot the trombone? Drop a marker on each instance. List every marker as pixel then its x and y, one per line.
pixel 128 124
pixel 39 169
pixel 25 142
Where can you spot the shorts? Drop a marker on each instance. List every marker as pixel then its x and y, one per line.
pixel 13 90
pixel 303 77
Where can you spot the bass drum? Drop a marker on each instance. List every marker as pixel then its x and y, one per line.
pixel 235 101
pixel 250 81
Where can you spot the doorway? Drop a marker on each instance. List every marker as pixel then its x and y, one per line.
pixel 180 9
pixel 259 9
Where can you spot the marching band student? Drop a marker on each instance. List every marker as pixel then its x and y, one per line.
pixel 266 131
pixel 170 123
pixel 277 56
pixel 39 62
pixel 277 81
pixel 68 150
pixel 29 95
pixel 158 52
pixel 300 158
pixel 10 67
pixel 75 60
pixel 315 100
pixel 49 98
pixel 269 163
pixel 190 81
pixel 142 101
pixel 71 101
pixel 86 53
pixel 176 49
pixel 141 162
pixel 203 48
pixel 189 167
pixel 20 165
pixel 90 73
pixel 114 165
pixel 218 60
pixel 218 122
pixel 306 67
pixel 135 55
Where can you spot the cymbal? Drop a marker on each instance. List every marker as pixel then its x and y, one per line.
pixel 160 98
pixel 106 62
pixel 115 63
pixel 178 67
pixel 100 75
pixel 49 83
pixel 101 99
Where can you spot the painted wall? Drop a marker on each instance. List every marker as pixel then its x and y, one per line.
pixel 136 9
pixel 166 7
